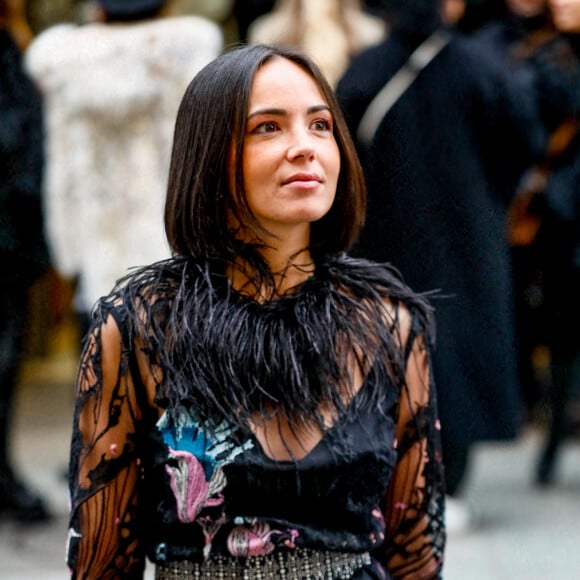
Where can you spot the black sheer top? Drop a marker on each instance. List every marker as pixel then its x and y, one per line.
pixel 180 375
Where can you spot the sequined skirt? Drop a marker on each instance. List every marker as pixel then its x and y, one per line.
pixel 300 564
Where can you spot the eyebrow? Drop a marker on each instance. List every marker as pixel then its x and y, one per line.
pixel 309 111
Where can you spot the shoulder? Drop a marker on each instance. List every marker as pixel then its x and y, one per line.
pixel 145 292
pixel 361 271
pixel 383 284
pixel 382 312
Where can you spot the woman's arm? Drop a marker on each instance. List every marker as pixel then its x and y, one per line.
pixel 414 508
pixel 105 465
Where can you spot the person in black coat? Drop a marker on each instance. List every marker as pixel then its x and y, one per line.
pixel 441 169
pixel 546 277
pixel 23 251
pixel 521 37
pixel 559 235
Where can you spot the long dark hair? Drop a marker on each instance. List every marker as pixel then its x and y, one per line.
pixel 210 126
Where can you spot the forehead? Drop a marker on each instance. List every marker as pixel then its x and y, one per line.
pixel 280 80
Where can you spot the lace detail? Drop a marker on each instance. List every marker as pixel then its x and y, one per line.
pixel 122 502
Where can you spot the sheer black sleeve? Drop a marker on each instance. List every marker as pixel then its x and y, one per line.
pixel 105 466
pixel 414 507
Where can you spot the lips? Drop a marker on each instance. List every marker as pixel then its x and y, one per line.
pixel 302 178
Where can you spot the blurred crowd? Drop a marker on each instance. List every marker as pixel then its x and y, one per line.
pixel 465 114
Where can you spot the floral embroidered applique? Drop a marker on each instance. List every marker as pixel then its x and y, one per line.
pixel 195 462
pixel 258 539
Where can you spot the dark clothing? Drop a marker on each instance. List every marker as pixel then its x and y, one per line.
pixel 440 173
pixel 12 326
pixel 183 450
pixel 547 271
pixel 516 42
pixel 23 251
pixel 559 249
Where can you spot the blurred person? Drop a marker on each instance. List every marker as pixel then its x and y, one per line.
pixel 260 405
pixel 441 166
pixel 220 11
pixel 217 10
pixel 566 16
pixel 112 88
pixel 330 31
pixel 558 205
pixel 478 13
pixel 543 223
pixel 23 252
pixel 520 38
pixel 42 14
pixel 246 11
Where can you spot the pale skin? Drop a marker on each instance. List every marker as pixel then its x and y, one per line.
pixel 291 163
pixel 566 15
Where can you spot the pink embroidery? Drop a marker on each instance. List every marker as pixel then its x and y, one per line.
pixel 190 488
pixel 399 505
pixel 210 529
pixel 117 521
pixel 437 424
pixel 113 449
pixel 256 540
pixel 395 443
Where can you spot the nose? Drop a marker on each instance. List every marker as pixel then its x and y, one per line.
pixel 301 146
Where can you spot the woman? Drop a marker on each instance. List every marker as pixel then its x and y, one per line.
pixel 260 405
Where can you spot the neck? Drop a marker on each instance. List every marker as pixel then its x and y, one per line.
pixel 287 270
pixel 286 263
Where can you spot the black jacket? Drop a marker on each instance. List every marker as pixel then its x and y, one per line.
pixel 440 173
pixel 23 250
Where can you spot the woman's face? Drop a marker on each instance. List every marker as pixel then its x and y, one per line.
pixel 566 15
pixel 291 160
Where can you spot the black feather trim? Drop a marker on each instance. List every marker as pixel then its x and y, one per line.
pixel 225 355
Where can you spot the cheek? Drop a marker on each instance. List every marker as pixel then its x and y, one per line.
pixel 334 164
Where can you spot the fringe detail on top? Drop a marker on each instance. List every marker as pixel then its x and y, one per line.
pixel 224 355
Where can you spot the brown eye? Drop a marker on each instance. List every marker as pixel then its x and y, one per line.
pixel 265 127
pixel 321 125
